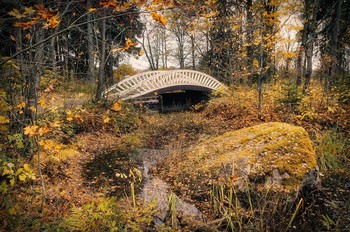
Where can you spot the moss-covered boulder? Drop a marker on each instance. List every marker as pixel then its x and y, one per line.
pixel 270 155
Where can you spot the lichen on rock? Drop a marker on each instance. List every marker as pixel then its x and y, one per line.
pixel 275 155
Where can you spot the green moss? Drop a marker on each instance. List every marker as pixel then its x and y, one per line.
pixel 263 148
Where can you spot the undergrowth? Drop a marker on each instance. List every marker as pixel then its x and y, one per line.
pixel 73 205
pixel 250 209
pixel 332 148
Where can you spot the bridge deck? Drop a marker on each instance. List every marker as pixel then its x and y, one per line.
pixel 151 82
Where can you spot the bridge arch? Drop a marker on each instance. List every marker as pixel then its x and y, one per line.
pixel 149 82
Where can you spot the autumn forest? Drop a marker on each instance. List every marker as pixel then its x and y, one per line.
pixel 267 148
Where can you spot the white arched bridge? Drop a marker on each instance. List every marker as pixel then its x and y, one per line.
pixel 157 82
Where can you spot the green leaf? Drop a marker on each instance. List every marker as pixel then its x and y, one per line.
pixel 4 187
pixel 7 171
pixel 12 182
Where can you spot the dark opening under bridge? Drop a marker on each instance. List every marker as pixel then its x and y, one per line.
pixel 152 83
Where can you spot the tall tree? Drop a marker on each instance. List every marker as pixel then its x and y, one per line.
pixel 309 18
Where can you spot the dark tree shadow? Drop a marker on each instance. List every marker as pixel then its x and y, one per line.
pixel 109 172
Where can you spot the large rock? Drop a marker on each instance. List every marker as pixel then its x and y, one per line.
pixel 271 155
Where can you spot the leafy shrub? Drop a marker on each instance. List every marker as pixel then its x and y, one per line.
pixel 124 70
pixel 127 120
pixel 9 175
pixel 101 216
pixel 332 149
pixel 107 215
pixel 291 96
pixel 342 84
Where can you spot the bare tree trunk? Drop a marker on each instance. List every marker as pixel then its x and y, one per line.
pixel 90 45
pixel 193 50
pixel 261 66
pixel 53 55
pixel 250 52
pixel 333 47
pixel 148 51
pixel 181 55
pixel 299 66
pixel 164 49
pixel 101 74
pixel 308 57
pixel 310 30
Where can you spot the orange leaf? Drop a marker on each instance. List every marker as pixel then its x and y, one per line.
pixel 28 24
pixel 52 22
pixel 129 44
pixel 159 18
pixel 39 6
pixel 43 130
pixel 108 3
pixel 116 106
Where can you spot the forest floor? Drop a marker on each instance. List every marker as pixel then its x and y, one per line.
pixel 92 181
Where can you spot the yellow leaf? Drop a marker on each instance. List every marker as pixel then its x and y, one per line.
pixel 116 106
pixel 22 177
pixel 28 10
pixel 16 13
pixel 12 211
pixel 19 171
pixel 141 52
pixel 21 105
pixel 106 119
pixel 92 9
pixel 28 36
pixel 26 167
pixel 4 120
pixel 117 50
pixel 33 109
pixel 255 63
pixel 69 116
pixel 57 124
pixel 31 130
pixel 42 103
